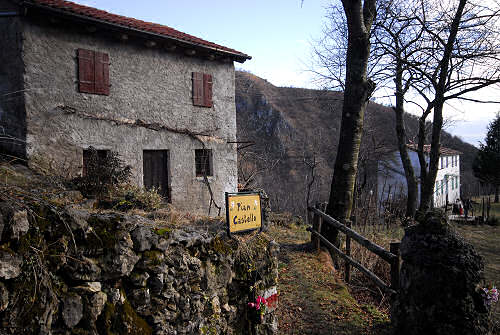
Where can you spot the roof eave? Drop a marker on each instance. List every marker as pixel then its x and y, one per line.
pixel 238 57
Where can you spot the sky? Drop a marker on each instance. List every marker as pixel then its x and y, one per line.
pixel 278 35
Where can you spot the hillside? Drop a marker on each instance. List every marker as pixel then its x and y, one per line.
pixel 294 127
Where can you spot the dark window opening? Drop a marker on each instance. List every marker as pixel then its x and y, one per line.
pixel 155 171
pixel 203 162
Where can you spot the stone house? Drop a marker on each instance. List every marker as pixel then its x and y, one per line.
pixel 392 182
pixel 73 76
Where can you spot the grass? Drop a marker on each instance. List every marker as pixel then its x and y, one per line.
pixel 495 207
pixel 313 300
pixel 486 241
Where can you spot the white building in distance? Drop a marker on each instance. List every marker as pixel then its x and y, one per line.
pixel 392 182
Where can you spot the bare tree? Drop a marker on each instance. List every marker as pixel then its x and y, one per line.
pixel 465 53
pixel 430 51
pixel 254 163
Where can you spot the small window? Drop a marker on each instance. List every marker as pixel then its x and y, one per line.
pixel 93 72
pixel 93 158
pixel 202 89
pixel 203 162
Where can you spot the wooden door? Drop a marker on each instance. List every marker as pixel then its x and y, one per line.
pixel 155 169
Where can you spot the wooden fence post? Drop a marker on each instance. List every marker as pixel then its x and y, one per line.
pixel 348 252
pixel 483 212
pixel 316 225
pixel 395 266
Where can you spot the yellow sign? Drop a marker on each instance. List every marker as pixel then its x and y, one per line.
pixel 243 211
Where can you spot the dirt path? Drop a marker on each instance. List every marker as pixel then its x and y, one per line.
pixel 312 299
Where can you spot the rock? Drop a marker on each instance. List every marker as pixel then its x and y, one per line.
pixel 116 296
pixel 140 297
pixel 161 244
pixel 96 305
pixel 438 280
pixel 10 264
pixel 84 269
pixel 187 239
pixel 78 218
pixel 143 238
pixel 155 282
pixel 72 311
pixel 123 263
pixel 216 305
pixel 139 279
pixel 88 287
pixel 20 224
pixel 4 297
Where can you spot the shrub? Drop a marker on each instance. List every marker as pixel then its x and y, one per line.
pixel 102 173
pixel 130 196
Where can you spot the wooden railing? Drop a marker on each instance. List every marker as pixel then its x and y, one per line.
pixel 391 257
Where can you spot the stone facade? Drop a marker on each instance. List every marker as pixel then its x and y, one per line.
pixel 151 85
pixel 69 270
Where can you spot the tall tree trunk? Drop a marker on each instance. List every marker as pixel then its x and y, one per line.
pixel 411 182
pixel 358 90
pixel 496 193
pixel 427 189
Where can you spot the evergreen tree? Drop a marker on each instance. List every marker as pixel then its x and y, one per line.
pixel 486 165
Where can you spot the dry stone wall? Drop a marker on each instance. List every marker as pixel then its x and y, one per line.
pixel 68 270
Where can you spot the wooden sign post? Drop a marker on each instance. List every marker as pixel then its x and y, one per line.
pixel 243 212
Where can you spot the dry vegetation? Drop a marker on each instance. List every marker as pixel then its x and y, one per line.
pixel 486 240
pixel 313 299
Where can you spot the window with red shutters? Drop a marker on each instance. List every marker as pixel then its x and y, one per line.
pixel 93 72
pixel 202 89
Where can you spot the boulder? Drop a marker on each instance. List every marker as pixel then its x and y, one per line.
pixel 10 264
pixel 19 224
pixel 72 311
pixel 438 282
pixel 96 305
pixel 143 238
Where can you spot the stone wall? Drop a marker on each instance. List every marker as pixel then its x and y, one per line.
pixel 71 271
pixel 152 85
pixel 439 292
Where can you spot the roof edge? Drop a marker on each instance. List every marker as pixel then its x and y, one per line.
pixel 413 147
pixel 239 57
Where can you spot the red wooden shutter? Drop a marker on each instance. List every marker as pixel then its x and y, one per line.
pixel 207 90
pixel 86 75
pixel 197 89
pixel 101 73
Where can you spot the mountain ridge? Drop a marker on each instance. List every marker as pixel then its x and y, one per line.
pixel 296 128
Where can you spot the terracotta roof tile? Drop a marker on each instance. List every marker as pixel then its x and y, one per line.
pixel 443 150
pixel 127 22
